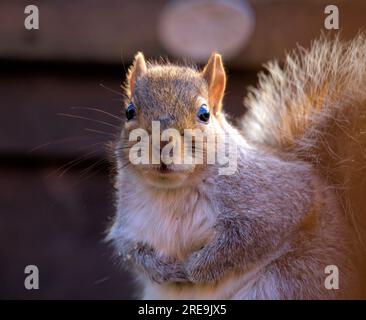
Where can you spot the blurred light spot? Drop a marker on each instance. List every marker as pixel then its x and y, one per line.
pixel 195 28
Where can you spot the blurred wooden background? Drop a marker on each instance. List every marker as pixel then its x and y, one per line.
pixel 77 59
pixel 113 30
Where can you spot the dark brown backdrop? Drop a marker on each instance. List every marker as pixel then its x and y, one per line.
pixel 54 218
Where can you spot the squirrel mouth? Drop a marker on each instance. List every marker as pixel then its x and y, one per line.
pixel 164 169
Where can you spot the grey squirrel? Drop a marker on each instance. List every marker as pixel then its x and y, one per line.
pixel 296 203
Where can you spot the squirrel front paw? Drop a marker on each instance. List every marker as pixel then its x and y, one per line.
pixel 157 268
pixel 200 268
pixel 175 273
pixel 172 273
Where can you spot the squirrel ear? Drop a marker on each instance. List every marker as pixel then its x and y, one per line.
pixel 137 69
pixel 214 74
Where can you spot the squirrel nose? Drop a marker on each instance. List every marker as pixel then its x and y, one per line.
pixel 165 122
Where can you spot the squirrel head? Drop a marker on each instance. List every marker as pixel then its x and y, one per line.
pixel 175 97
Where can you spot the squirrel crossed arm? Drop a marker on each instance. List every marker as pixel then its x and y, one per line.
pixel 265 223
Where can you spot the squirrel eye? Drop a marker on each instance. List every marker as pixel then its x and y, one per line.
pixel 130 111
pixel 203 113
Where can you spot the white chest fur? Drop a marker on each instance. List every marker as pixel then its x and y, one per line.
pixel 175 222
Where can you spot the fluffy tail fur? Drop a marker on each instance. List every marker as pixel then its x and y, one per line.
pixel 314 108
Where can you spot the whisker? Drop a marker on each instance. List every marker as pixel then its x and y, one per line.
pixel 89 119
pixel 89 168
pixel 66 167
pixel 58 141
pixel 111 90
pixel 125 165
pixel 100 131
pixel 87 177
pixel 100 111
pixel 92 145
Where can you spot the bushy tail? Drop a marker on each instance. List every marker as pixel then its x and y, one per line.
pixel 314 107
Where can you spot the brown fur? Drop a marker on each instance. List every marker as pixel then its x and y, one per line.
pixel 315 109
